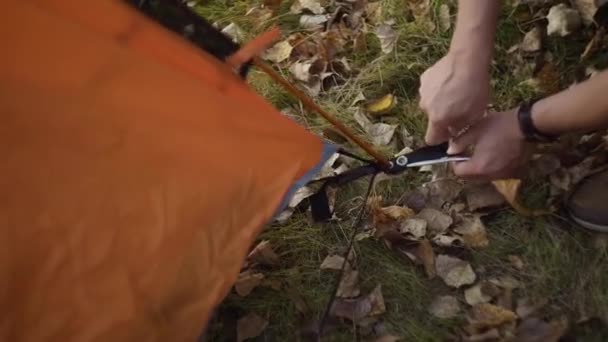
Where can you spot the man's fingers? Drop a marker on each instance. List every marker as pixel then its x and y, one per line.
pixel 436 135
pixel 462 142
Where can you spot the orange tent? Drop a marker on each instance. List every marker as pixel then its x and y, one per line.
pixel 137 171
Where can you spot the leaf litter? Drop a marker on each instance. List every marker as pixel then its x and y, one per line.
pixel 250 326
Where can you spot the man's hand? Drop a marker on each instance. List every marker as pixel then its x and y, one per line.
pixel 499 150
pixel 454 93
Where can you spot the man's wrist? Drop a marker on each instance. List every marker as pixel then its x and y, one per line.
pixel 527 117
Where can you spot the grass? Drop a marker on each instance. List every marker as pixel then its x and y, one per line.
pixel 564 265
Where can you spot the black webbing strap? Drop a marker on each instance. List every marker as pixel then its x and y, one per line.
pixel 176 16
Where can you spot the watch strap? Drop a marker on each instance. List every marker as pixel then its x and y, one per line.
pixel 526 124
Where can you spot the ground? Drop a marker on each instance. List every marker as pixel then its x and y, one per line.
pixel 564 266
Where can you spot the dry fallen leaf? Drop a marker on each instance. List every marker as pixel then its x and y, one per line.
pixel 536 330
pixel 562 20
pixel 373 12
pixel 250 326
pixel 382 105
pixel 425 254
pixel 333 262
pixel 397 213
pixel 377 300
pixel 444 17
pixel 532 40
pixel 487 336
pixel 381 134
pixel 359 308
pixel 438 222
pixel 263 254
pixel 481 196
pixel 443 190
pixel 445 307
pixel 414 226
pixel 473 232
pixel 526 308
pixel 234 32
pixel 516 262
pixel 475 295
pixel 509 188
pixel 313 22
pixel 444 240
pixel 454 272
pixel 313 6
pixel 247 282
pixel 387 36
pixel 278 52
pixel 301 70
pixel 349 285
pixel 487 315
pixel 587 9
pixel 259 16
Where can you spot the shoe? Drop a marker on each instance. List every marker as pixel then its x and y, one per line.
pixel 588 203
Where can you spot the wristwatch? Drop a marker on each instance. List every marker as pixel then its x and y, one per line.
pixel 526 124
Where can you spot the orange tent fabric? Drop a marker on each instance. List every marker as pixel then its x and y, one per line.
pixel 136 172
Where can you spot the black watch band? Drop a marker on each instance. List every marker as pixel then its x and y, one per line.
pixel 529 130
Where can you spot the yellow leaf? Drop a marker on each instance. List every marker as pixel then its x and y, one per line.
pixel 382 105
pixel 509 188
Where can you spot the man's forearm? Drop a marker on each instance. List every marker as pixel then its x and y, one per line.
pixel 475 30
pixel 581 108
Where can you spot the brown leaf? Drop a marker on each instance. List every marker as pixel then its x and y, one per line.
pixel 594 44
pixel 454 272
pixel 475 295
pixel 525 307
pixel 259 16
pixel 278 52
pixel 481 196
pixel 516 262
pixel 536 330
pixel 509 188
pixel 247 282
pixel 373 12
pixel 349 285
pixel 333 262
pixel 444 17
pixel 352 309
pixel 506 282
pixel 505 300
pixel 381 134
pixel 437 221
pixel 250 326
pixel 263 254
pixel 445 307
pixel 272 4
pixel 314 6
pixel 562 20
pixel 473 232
pixel 532 40
pixel 313 22
pixel 548 79
pixel 387 36
pixel 425 253
pixel 445 240
pixel 398 213
pixel 587 9
pixel 377 301
pixel 491 316
pixel 414 227
pixel 490 335
pixel 443 190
